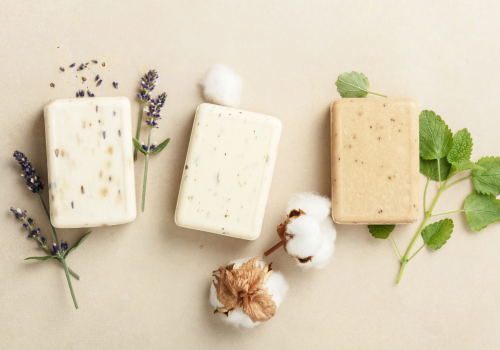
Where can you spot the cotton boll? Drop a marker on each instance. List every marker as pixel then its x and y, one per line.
pixel 328 228
pixel 313 204
pixel 222 86
pixel 322 257
pixel 276 286
pixel 307 238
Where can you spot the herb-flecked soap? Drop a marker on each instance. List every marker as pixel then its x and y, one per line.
pixel 228 171
pixel 375 161
pixel 90 162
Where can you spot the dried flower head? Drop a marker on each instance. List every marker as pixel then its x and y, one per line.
pixel 243 288
pixel 148 84
pixel 33 181
pixel 28 225
pixel 154 110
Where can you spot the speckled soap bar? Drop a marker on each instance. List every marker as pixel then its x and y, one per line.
pixel 228 171
pixel 375 161
pixel 90 164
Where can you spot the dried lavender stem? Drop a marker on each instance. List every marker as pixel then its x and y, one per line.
pixel 139 129
pixel 63 260
pixel 146 172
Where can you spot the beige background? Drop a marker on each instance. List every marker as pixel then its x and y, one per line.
pixel 145 284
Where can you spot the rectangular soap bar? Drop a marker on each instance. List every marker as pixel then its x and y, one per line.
pixel 375 161
pixel 228 171
pixel 90 162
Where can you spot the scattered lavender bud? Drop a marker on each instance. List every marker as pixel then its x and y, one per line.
pixel 90 94
pixel 52 84
pixel 82 66
pixel 97 77
pixel 82 93
pixel 115 85
pixel 62 69
pixel 99 82
pixel 77 94
pixel 95 61
pixel 72 65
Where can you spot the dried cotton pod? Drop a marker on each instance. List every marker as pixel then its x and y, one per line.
pixel 247 292
pixel 308 233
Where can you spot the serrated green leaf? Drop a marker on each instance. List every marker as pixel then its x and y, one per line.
pixel 435 137
pixel 42 258
pixel 486 179
pixel 78 244
pixel 462 147
pixel 381 231
pixel 435 235
pixel 462 166
pixel 161 146
pixel 354 84
pixel 430 168
pixel 138 146
pixel 481 210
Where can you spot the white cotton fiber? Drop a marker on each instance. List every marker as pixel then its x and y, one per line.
pixel 313 204
pixel 307 238
pixel 276 285
pixel 314 234
pixel 222 86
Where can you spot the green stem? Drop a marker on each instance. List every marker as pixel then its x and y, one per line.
pixel 146 173
pixel 450 212
pixel 425 195
pixel 393 241
pixel 427 216
pixel 454 183
pixel 139 128
pixel 419 249
pixel 439 173
pixel 373 93
pixel 44 246
pixel 63 261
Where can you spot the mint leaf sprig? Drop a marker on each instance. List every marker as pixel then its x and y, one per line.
pixel 60 248
pixel 153 115
pixel 354 84
pixel 443 156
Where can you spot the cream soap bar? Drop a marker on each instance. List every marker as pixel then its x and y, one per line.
pixel 375 161
pixel 228 171
pixel 90 164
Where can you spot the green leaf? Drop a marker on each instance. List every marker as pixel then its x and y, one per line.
pixel 78 244
pixel 435 137
pixel 138 145
pixel 436 234
pixel 430 168
pixel 42 258
pixel 353 84
pixel 487 178
pixel 381 231
pixel 461 148
pixel 481 210
pixel 462 166
pixel 161 146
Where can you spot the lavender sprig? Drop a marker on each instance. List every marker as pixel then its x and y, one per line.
pixel 153 112
pixel 35 185
pixel 28 224
pixel 148 83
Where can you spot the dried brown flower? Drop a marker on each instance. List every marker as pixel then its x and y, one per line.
pixel 284 236
pixel 242 287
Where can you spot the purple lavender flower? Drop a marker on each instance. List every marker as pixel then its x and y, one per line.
pixel 64 245
pixel 115 85
pixel 33 181
pixel 155 109
pixel 27 223
pixel 82 93
pixel 62 69
pixel 99 82
pixel 95 61
pixel 90 94
pixel 82 66
pixel 55 249
pixel 72 65
pixel 148 84
pixel 97 77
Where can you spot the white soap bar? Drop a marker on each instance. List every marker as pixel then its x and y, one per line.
pixel 90 162
pixel 228 171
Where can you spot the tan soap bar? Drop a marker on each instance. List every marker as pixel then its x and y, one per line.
pixel 375 161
